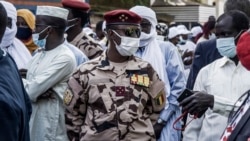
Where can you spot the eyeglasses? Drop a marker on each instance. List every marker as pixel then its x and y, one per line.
pixel 130 32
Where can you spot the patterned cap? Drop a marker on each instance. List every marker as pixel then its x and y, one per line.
pixel 243 49
pixel 76 4
pixel 121 17
pixel 52 11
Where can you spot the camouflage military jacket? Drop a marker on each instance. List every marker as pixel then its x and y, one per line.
pixel 87 45
pixel 105 105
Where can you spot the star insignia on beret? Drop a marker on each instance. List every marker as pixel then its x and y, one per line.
pixel 123 18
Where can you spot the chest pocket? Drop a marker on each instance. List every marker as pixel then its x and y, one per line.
pixel 100 95
pixel 137 100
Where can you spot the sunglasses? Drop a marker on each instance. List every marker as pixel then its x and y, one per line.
pixel 130 32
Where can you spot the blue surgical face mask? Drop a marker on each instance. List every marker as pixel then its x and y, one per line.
pixel 182 41
pixel 226 46
pixel 39 42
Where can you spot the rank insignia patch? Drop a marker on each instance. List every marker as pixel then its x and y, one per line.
pixel 159 100
pixel 119 90
pixel 139 80
pixel 67 97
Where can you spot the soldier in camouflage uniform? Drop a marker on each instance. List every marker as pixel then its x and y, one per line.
pixel 116 96
pixel 77 19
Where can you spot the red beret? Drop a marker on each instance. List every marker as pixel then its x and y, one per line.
pixel 76 4
pixel 121 17
pixel 243 49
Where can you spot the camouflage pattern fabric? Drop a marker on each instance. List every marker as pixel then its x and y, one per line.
pixel 87 45
pixel 106 105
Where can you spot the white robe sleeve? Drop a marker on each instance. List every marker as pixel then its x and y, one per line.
pixel 55 72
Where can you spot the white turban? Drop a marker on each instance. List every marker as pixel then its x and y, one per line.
pixel 152 52
pixel 146 13
pixel 10 43
pixel 9 33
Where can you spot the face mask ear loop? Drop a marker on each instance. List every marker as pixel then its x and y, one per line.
pixel 238 35
pixel 116 35
pixel 43 31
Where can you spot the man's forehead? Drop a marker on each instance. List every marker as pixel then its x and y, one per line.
pixel 39 17
pixel 145 20
pixel 225 22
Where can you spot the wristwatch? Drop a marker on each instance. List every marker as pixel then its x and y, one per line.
pixel 160 121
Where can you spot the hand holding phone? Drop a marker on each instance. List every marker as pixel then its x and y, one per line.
pixel 186 93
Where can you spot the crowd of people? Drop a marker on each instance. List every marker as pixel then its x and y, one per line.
pixel 130 79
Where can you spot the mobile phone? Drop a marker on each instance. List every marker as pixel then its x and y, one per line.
pixel 186 93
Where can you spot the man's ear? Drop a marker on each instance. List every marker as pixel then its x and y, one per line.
pixel 108 34
pixel 78 21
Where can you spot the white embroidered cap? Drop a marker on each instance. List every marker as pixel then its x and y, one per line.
pixel 52 11
pixel 182 29
pixel 173 32
pixel 196 30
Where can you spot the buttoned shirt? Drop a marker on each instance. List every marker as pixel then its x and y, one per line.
pixel 113 101
pixel 226 82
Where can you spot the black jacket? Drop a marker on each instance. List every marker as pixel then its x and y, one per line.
pixel 242 130
pixel 15 106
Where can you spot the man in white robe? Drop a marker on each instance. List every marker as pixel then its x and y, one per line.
pixel 49 70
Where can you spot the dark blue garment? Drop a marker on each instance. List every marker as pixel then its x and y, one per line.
pixel 242 130
pixel 15 106
pixel 205 53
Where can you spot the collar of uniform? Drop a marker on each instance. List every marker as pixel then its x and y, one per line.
pixel 77 38
pixel 225 60
pixel 104 63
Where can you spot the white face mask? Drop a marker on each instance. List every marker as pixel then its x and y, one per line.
pixel 128 45
pixel 9 35
pixel 182 41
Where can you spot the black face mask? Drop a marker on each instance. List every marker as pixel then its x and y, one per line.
pixel 23 33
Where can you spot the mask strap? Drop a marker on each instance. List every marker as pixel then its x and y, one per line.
pixel 180 118
pixel 117 33
pixel 239 34
pixel 71 20
pixel 43 30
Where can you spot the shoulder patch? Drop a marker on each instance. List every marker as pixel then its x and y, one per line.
pixel 67 97
pixel 159 99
